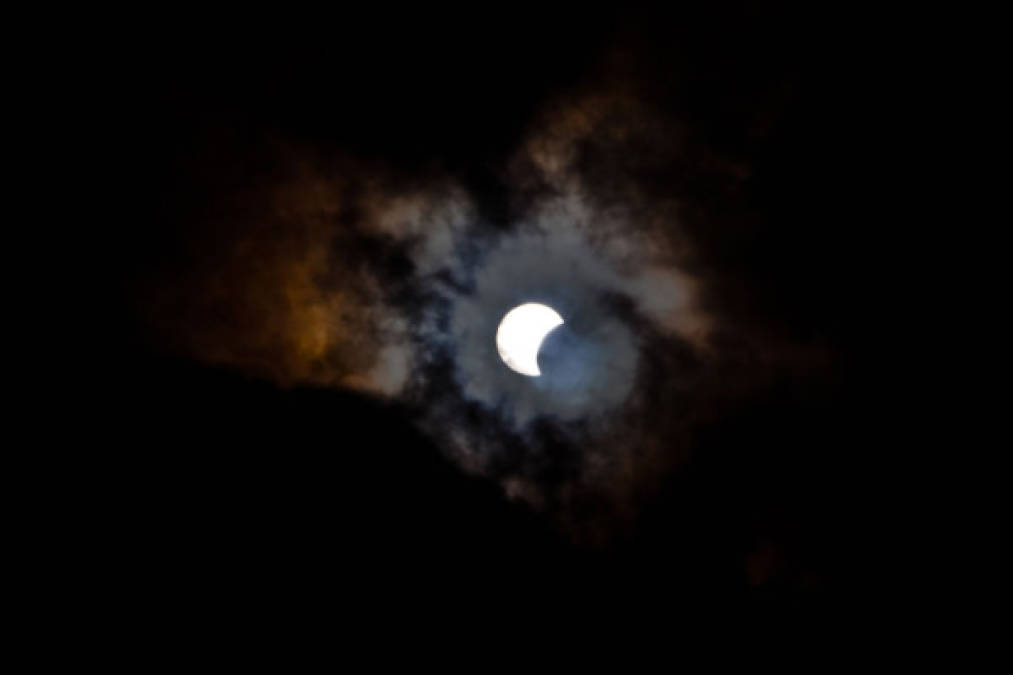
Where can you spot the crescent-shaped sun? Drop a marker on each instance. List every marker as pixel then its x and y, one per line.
pixel 520 335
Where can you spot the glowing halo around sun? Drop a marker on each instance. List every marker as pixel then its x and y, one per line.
pixel 521 333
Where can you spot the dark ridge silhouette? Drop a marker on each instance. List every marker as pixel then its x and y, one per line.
pixel 216 481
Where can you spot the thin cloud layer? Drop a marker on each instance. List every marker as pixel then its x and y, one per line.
pixel 333 273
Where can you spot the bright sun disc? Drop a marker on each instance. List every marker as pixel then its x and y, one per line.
pixel 520 335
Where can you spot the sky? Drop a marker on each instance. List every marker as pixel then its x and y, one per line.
pixel 320 228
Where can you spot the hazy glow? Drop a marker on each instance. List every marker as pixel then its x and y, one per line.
pixel 520 335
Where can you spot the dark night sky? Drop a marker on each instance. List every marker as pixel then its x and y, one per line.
pixel 245 478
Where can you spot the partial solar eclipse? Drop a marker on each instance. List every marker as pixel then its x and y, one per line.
pixel 521 333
